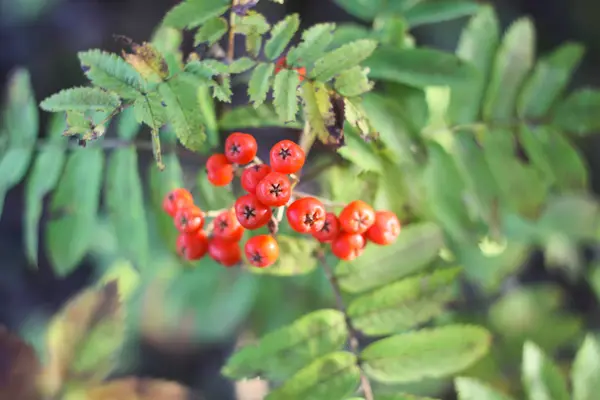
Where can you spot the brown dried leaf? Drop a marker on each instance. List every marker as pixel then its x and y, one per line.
pixel 19 367
pixel 139 389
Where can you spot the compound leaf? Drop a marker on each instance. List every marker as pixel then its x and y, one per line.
pixel 150 110
pixel 418 246
pixel 401 305
pixel 192 13
pixel 578 113
pixel 111 72
pixel 548 80
pixel 281 353
pixel 285 98
pixel 439 11
pixel 260 83
pixel 315 41
pixel 417 67
pixel 353 82
pixel 472 389
pixel 252 24
pixel 334 376
pixel 365 10
pixel 281 35
pixel 240 65
pixel 514 60
pixel 73 209
pixel 427 353
pixel 44 176
pixel 584 374
pixel 342 58
pixel 81 99
pixel 124 201
pixel 251 117
pixel 211 32
pixel 542 378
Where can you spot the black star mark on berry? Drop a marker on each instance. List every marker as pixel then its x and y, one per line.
pixel 256 168
pixel 360 220
pixel 326 226
pixel 223 225
pixel 257 258
pixel 309 220
pixel 285 153
pixel 183 221
pixel 249 212
pixel 276 189
pixel 235 148
pixel 171 197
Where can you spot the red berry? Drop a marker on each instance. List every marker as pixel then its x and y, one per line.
pixel 301 72
pixel 189 219
pixel 261 251
pixel 240 148
pixel 252 175
pixel 221 176
pixel 280 64
pixel 227 227
pixel 226 253
pixel 357 217
pixel 176 199
pixel 251 213
pixel 287 157
pixel 306 215
pixel 385 230
pixel 274 190
pixel 216 161
pixel 348 246
pixel 330 229
pixel 192 246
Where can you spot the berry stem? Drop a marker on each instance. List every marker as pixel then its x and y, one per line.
pixel 353 334
pixel 231 38
pixel 216 213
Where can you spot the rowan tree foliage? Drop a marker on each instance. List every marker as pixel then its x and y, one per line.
pixel 473 150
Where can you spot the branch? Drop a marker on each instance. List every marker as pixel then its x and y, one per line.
pixel 353 333
pixel 231 41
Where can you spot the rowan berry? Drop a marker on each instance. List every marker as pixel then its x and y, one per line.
pixel 192 246
pixel 251 213
pixel 226 253
pixel 385 230
pixel 280 64
pixel 348 246
pixel 252 175
pixel 301 73
pixel 221 176
pixel 176 199
pixel 274 190
pixel 330 229
pixel 357 217
pixel 189 219
pixel 240 148
pixel 216 161
pixel 261 251
pixel 287 157
pixel 227 227
pixel 306 215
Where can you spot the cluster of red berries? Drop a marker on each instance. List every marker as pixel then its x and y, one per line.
pixel 269 186
pixel 281 64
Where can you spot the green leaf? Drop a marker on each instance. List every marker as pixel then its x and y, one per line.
pixel 427 353
pixel 318 116
pixel 73 209
pixel 578 113
pixel 282 353
pixel 251 117
pixel 124 201
pixel 181 102
pixel 211 32
pixel 404 304
pixel 254 44
pixel 81 99
pixel 548 80
pixel 112 73
pixel 285 97
pixel 542 379
pixel 359 152
pixel 44 176
pixel 416 247
pixel 584 374
pixel 161 183
pixel 150 111
pixel 192 13
pixel 204 71
pixel 260 83
pixel 353 82
pixel 477 45
pixel 472 389
pixel 390 29
pixel 20 124
pixel 365 10
pixel 240 65
pixel 295 257
pixel 128 126
pixel 281 35
pixel 222 91
pixel 252 24
pixel 514 60
pixel 342 58
pixel 348 33
pixel 315 41
pixel 418 67
pixel 558 160
pixel 334 376
pixel 439 11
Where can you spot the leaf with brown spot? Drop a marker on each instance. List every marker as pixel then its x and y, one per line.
pixel 148 61
pixel 19 367
pixel 140 389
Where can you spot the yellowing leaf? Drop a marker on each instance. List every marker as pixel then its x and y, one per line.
pixel 148 61
pixel 19 368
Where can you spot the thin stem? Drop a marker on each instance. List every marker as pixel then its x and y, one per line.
pixel 353 333
pixel 231 41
